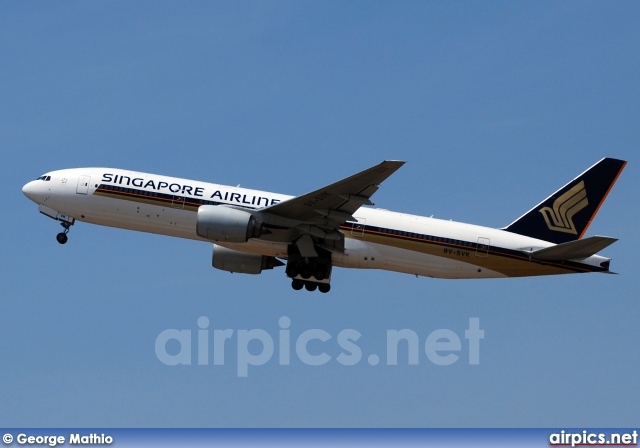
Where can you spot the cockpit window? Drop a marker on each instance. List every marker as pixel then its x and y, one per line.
pixel 44 178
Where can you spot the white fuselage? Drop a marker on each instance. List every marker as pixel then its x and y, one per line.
pixel 380 239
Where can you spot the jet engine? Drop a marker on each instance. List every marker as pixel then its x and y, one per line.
pixel 219 223
pixel 241 262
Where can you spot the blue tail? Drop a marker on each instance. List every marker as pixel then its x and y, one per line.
pixel 566 214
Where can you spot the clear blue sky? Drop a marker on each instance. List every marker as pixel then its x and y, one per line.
pixel 494 105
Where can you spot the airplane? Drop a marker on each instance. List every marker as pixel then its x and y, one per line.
pixel 334 226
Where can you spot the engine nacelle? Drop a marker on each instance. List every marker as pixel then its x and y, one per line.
pixel 219 223
pixel 241 262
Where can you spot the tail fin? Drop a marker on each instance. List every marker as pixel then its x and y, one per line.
pixel 566 214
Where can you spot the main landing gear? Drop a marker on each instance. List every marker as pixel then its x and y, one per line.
pixel 310 273
pixel 62 237
pixel 310 286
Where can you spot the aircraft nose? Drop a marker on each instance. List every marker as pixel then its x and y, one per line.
pixel 27 190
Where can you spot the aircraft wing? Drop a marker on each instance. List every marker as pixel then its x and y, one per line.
pixel 330 206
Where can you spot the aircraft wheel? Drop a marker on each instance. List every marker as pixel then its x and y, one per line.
pixel 305 272
pixel 319 272
pixel 310 286
pixel 293 270
pixel 297 285
pixel 62 238
pixel 324 288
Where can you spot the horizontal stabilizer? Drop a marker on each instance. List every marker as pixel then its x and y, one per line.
pixel 574 250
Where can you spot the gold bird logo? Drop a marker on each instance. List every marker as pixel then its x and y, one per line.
pixel 560 217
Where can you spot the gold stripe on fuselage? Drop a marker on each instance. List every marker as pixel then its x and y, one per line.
pixel 511 265
pixel 150 200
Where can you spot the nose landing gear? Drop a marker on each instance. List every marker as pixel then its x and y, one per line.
pixel 66 221
pixel 62 237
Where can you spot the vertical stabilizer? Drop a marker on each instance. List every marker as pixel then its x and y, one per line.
pixel 566 214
